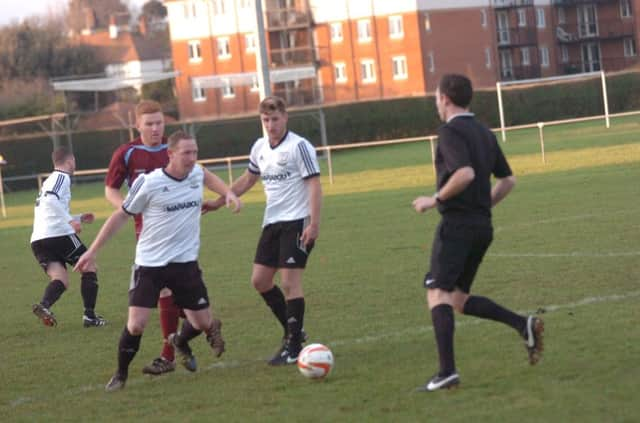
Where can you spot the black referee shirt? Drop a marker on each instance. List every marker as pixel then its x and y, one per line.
pixel 463 141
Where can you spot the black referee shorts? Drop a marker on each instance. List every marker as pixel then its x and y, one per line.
pixel 280 246
pixel 65 249
pixel 457 251
pixel 184 280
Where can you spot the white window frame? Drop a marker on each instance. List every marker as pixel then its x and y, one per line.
pixel 427 22
pixel 525 56
pixel 219 7
pixel 522 17
pixel 368 71
pixel 541 21
pixel 544 56
pixel 335 29
pixel 340 70
pixel 227 89
pixel 195 51
pixel 432 62
pixel 629 45
pixel 564 54
pixel 364 31
pixel 251 42
pixel 255 84
pixel 224 49
pixel 487 57
pixel 396 27
pixel 399 67
pixel 484 22
pixel 246 4
pixel 197 94
pixel 190 10
pixel 625 9
pixel 562 16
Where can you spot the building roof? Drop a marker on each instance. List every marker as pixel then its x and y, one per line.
pixel 126 47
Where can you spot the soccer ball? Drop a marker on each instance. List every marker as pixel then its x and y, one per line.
pixel 315 361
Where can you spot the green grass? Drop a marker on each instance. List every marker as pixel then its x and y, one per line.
pixel 566 245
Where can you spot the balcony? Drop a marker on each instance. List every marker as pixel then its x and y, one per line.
pixel 608 64
pixel 514 37
pixel 281 19
pixel 612 29
pixel 506 4
pixel 520 72
pixel 292 56
pixel 569 3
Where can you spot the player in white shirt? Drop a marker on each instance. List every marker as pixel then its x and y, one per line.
pixel 290 174
pixel 170 200
pixel 54 241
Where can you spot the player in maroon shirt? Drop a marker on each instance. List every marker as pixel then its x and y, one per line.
pixel 142 155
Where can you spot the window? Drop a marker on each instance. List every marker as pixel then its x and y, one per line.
pixel 218 7
pixel 227 90
pixel 336 32
pixel 399 64
pixel 367 70
pixel 432 62
pixel 503 27
pixel 194 51
pixel 255 84
pixel 364 30
pixel 340 70
pixel 522 17
pixel 427 22
pixel 395 27
pixel 629 47
pixel 189 9
pixel 487 57
pixel 540 18
pixel 506 64
pixel 197 93
pixel 483 18
pixel 564 54
pixel 587 21
pixel 625 8
pixel 562 16
pixel 544 57
pixel 246 4
pixel 223 48
pixel 251 43
pixel 524 54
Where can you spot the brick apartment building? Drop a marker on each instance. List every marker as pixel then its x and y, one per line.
pixel 326 51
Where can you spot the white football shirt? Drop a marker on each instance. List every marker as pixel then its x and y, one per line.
pixel 51 213
pixel 283 169
pixel 170 211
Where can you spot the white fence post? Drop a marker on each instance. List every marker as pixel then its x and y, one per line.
pixel 501 111
pixel 541 132
pixel 433 154
pixel 605 99
pixel 330 165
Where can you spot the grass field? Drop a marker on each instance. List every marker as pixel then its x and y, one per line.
pixel 566 247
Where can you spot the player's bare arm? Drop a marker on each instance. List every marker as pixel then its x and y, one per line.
pixel 114 196
pixel 501 189
pixel 312 231
pixel 217 185
pixel 457 183
pixel 88 260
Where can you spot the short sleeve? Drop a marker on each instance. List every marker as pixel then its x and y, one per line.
pixel 307 160
pixel 501 168
pixel 137 198
pixel 117 172
pixel 454 149
pixel 253 159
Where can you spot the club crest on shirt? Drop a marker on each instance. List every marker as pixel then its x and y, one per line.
pixel 282 158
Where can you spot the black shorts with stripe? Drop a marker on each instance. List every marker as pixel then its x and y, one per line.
pixel 457 251
pixel 280 246
pixel 65 249
pixel 184 280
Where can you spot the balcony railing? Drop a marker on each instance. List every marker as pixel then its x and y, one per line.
pixel 602 30
pixel 513 37
pixel 299 96
pixel 504 4
pixel 568 3
pixel 607 64
pixel 288 18
pixel 292 56
pixel 520 72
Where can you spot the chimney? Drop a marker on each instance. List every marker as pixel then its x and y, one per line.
pixel 113 27
pixel 143 26
pixel 89 21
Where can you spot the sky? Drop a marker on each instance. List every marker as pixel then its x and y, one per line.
pixel 16 10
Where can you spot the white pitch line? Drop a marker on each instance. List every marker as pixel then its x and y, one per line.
pixel 499 228
pixel 365 339
pixel 571 254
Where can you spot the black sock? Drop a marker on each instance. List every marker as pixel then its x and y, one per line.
pixel 443 326
pixel 52 293
pixel 276 302
pixel 188 332
pixel 89 291
pixel 295 318
pixel 485 308
pixel 127 349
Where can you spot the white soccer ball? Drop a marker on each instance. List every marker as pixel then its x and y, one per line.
pixel 315 361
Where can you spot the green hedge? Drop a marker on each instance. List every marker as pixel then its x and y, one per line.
pixel 347 123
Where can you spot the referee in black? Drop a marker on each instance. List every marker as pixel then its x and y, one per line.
pixel 466 157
